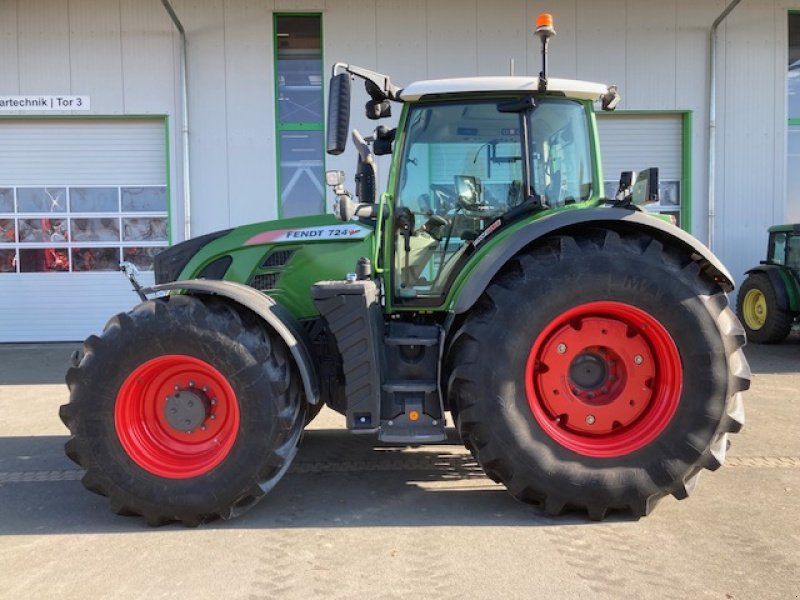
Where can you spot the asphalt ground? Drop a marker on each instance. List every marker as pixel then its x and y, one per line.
pixel 355 520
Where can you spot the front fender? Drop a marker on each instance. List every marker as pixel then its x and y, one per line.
pixel 610 217
pixel 278 318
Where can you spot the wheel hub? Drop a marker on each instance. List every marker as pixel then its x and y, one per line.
pixel 603 379
pixel 177 416
pixel 187 409
pixel 588 371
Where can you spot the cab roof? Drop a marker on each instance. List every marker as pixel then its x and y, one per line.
pixel 572 88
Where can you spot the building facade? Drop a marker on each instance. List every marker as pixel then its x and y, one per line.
pixel 101 160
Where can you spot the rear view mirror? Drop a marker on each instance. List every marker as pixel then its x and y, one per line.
pixel 645 188
pixel 338 113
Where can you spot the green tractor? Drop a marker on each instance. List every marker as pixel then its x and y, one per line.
pixel 585 350
pixel 769 299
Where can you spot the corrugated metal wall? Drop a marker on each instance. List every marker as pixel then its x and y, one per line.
pixel 125 55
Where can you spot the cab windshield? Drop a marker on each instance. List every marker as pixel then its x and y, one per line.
pixel 463 166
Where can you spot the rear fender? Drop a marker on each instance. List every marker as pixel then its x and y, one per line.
pixel 608 217
pixel 276 317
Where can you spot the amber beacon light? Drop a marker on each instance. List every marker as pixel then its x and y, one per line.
pixel 545 30
pixel 544 25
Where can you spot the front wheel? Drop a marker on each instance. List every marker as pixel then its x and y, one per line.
pixel 599 371
pixel 183 410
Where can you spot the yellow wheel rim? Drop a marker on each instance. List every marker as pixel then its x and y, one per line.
pixel 755 309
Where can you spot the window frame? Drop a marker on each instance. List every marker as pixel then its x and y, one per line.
pixel 296 126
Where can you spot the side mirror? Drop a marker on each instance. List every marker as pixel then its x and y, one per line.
pixel 338 113
pixel 645 188
pixel 378 109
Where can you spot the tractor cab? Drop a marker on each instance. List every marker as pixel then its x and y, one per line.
pixel 471 157
pixel 784 247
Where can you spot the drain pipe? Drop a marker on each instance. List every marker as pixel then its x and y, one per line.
pixel 712 121
pixel 187 205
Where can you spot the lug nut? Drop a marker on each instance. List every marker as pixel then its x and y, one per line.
pixel 638 359
pixel 177 387
pixel 205 389
pixel 191 384
pixel 213 401
pixel 561 348
pixel 213 416
pixel 590 419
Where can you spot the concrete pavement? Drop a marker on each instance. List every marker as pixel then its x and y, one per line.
pixel 352 520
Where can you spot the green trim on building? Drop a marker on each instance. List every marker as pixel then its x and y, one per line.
pixel 168 164
pixel 686 173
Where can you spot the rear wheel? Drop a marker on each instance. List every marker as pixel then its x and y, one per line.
pixel 183 409
pixel 598 372
pixel 757 306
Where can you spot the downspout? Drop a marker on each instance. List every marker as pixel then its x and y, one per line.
pixel 187 204
pixel 712 121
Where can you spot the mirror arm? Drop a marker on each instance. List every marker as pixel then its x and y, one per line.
pixel 391 91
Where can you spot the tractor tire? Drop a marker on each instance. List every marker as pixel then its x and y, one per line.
pixel 757 307
pixel 183 410
pixel 312 410
pixel 598 372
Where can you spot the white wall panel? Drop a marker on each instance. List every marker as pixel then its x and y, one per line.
pixel 9 59
pixel 452 38
pixel 650 54
pixel 96 54
pixel 601 43
pixel 44 47
pixel 249 103
pixel 749 196
pixel 208 134
pixel 402 50
pixel 150 61
pixel 503 32
pixel 691 93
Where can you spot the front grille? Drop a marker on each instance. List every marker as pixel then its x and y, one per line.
pixel 277 258
pixel 264 282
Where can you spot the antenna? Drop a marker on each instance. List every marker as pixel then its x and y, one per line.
pixel 545 30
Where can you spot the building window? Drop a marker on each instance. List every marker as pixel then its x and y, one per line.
pixel 81 229
pixel 299 100
pixel 793 106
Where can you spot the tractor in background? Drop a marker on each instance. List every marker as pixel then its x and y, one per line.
pixel 769 299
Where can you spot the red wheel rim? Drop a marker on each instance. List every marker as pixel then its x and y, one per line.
pixel 603 379
pixel 171 387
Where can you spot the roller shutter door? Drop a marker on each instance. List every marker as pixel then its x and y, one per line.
pixel 636 142
pixel 76 197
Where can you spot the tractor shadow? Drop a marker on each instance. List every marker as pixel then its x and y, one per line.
pixel 35 364
pixel 775 358
pixel 337 480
